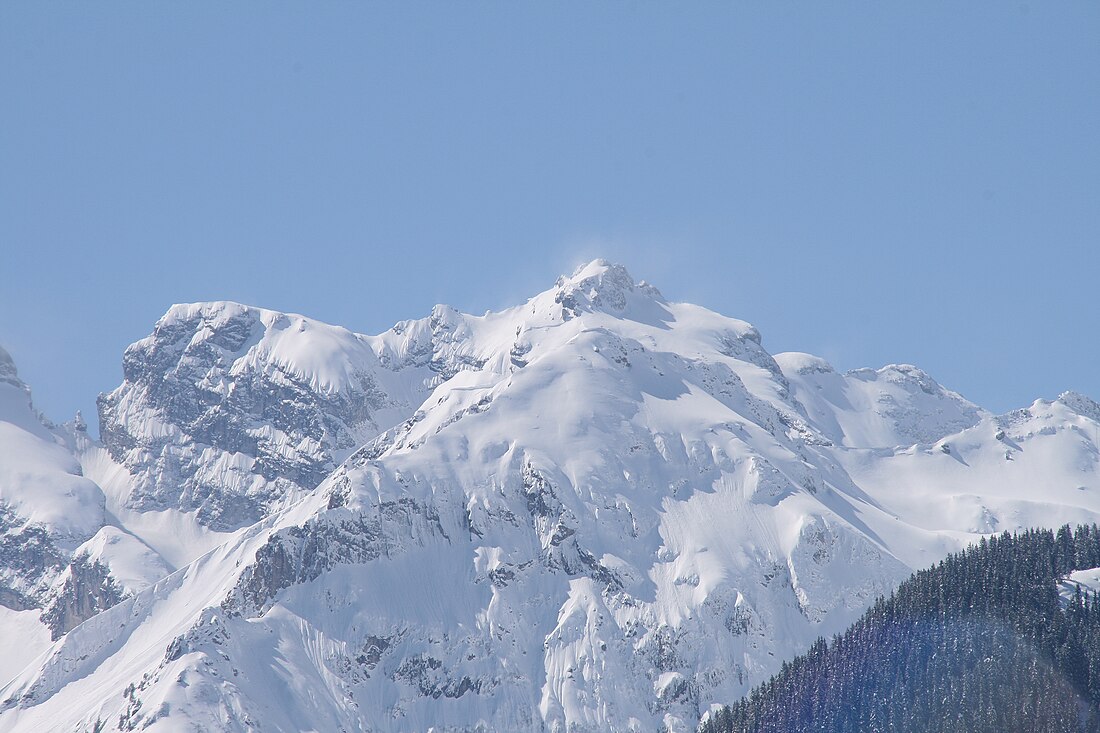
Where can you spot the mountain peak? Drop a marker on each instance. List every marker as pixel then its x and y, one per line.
pixel 16 406
pixel 1081 404
pixel 596 268
pixel 8 373
pixel 601 285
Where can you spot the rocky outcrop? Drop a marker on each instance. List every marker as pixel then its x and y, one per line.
pixel 214 417
pixel 86 590
pixel 30 562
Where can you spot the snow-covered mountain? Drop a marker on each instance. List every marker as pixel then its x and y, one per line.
pixel 597 510
pixel 60 560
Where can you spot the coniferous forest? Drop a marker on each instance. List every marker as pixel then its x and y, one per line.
pixel 982 641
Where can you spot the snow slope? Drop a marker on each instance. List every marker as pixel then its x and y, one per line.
pixel 59 562
pixel 598 510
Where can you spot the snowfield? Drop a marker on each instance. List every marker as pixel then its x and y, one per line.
pixel 595 511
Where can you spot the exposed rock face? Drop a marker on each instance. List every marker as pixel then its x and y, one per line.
pixel 8 373
pixel 86 590
pixel 300 554
pixel 213 418
pixel 30 562
pixel 231 412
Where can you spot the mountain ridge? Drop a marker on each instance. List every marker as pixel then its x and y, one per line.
pixel 617 510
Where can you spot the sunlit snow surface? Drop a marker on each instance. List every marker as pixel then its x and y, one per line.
pixel 597 511
pixel 1080 581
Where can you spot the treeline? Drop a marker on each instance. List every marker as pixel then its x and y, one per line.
pixel 980 642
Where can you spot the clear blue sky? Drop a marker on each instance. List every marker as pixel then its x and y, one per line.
pixel 872 182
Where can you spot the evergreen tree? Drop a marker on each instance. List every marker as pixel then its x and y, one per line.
pixel 982 641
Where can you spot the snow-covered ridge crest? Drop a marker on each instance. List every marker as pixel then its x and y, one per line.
pixel 898 404
pixel 16 406
pixel 41 483
pixel 1081 404
pixel 8 372
pixel 60 563
pixel 327 358
pixel 230 411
